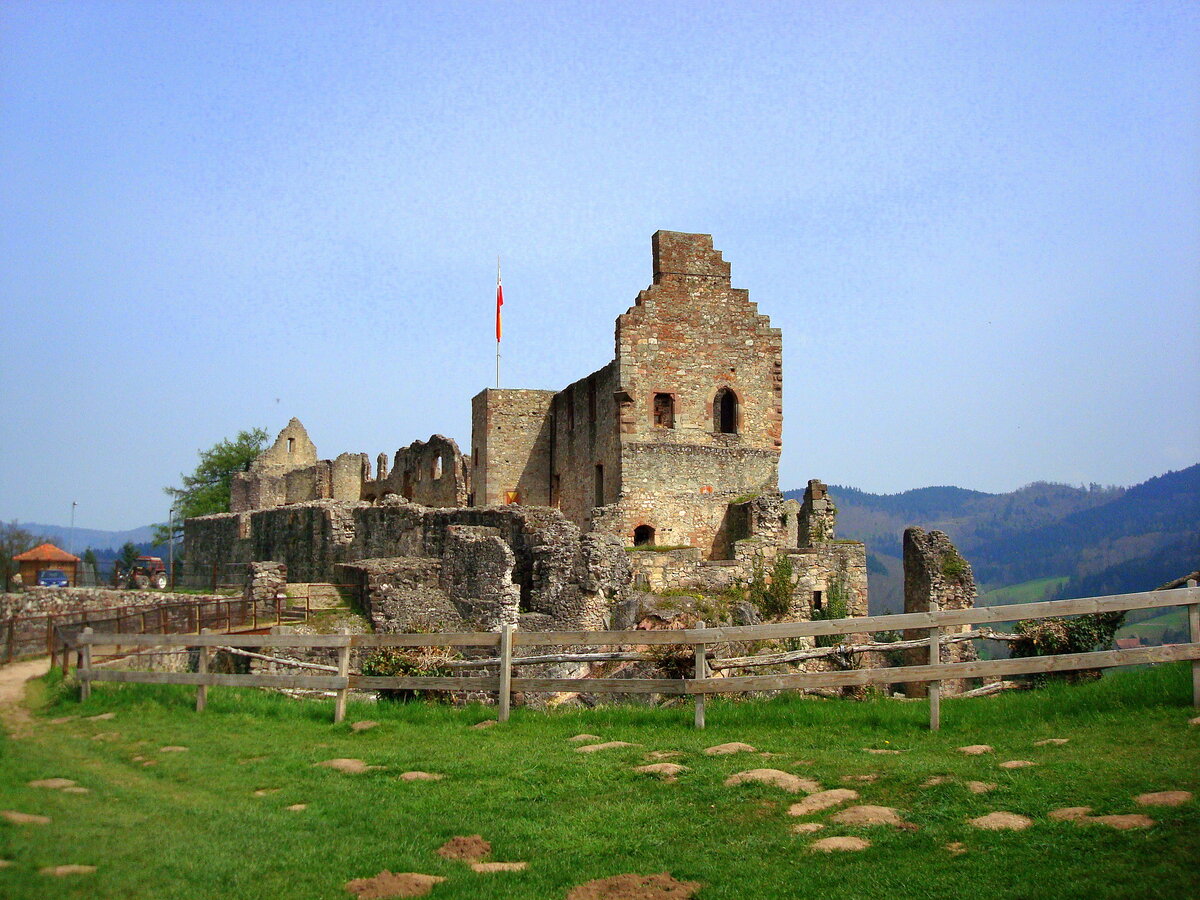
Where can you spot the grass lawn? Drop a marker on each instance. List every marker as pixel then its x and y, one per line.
pixel 191 825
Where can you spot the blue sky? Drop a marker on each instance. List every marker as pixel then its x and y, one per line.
pixel 976 223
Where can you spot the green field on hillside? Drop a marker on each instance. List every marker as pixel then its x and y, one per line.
pixel 1172 623
pixel 1025 592
pixel 213 820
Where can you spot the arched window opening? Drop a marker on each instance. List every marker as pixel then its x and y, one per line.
pixel 437 468
pixel 725 412
pixel 664 410
pixel 643 536
pixel 291 445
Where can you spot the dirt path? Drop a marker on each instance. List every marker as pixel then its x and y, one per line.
pixel 13 715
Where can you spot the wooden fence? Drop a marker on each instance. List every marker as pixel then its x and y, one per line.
pixel 701 684
pixel 62 632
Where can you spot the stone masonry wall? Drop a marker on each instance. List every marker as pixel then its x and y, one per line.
pixel 586 465
pixel 510 439
pixel 689 337
pixel 936 577
pixel 557 571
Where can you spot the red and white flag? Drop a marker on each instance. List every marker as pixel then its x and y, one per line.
pixel 499 301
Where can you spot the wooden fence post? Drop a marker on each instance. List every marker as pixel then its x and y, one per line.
pixel 85 664
pixel 700 671
pixel 339 705
pixel 1194 636
pixel 935 687
pixel 506 643
pixel 202 669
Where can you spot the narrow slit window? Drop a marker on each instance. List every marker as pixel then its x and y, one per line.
pixel 664 410
pixel 599 486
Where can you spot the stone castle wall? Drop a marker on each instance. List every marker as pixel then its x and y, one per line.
pixel 511 440
pixel 557 572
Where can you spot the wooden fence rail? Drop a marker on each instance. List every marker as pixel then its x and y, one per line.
pixel 698 641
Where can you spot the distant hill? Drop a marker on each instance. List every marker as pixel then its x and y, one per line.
pixel 83 538
pixel 1073 541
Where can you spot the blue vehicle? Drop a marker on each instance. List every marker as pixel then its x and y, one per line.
pixel 53 578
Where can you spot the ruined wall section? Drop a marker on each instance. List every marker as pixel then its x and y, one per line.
pixel 690 338
pixel 431 473
pixel 936 577
pixel 264 483
pixel 510 440
pixel 558 577
pixel 817 516
pixel 585 449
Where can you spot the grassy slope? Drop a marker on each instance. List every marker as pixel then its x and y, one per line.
pixel 191 827
pixel 1025 592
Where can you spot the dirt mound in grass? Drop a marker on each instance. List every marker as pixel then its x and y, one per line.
pixel 1070 813
pixel 54 784
pixel 660 755
pixel 1002 821
pixel 500 866
pixel 607 745
pixel 980 787
pixel 869 815
pixel 75 789
pixel 879 751
pixel 665 771
pixel 822 800
pixel 20 818
pixel 364 725
pixel 173 749
pixel 956 848
pixel 635 887
pixel 297 807
pixel 1163 798
pixel 421 776
pixel 776 778
pixel 1017 764
pixel 731 747
pixel 976 749
pixel 581 738
pixel 806 827
pixel 470 848
pixel 486 723
pixel 103 717
pixel 860 779
pixel 60 871
pixel 1051 742
pixel 393 884
pixel 834 844
pixel 1122 823
pixel 350 766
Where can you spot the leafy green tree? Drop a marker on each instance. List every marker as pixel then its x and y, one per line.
pixel 13 540
pixel 206 490
pixel 128 556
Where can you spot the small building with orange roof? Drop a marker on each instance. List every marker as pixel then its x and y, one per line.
pixel 47 556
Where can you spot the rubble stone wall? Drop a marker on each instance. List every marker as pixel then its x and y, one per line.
pixel 556 571
pixel 936 577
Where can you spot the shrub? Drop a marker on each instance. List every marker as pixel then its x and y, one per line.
pixel 400 661
pixel 837 606
pixel 1081 634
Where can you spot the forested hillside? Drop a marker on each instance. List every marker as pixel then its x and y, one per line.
pixel 1094 540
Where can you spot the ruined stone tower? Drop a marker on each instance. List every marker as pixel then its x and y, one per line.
pixel 655 445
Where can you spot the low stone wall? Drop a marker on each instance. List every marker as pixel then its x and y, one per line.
pixel 42 601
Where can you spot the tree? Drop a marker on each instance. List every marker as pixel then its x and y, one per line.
pixel 128 556
pixel 206 490
pixel 13 540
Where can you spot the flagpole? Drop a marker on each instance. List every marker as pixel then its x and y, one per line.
pixel 498 302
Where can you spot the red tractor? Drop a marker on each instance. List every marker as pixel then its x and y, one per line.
pixel 146 572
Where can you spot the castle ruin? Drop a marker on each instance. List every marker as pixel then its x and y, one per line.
pixel 658 471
